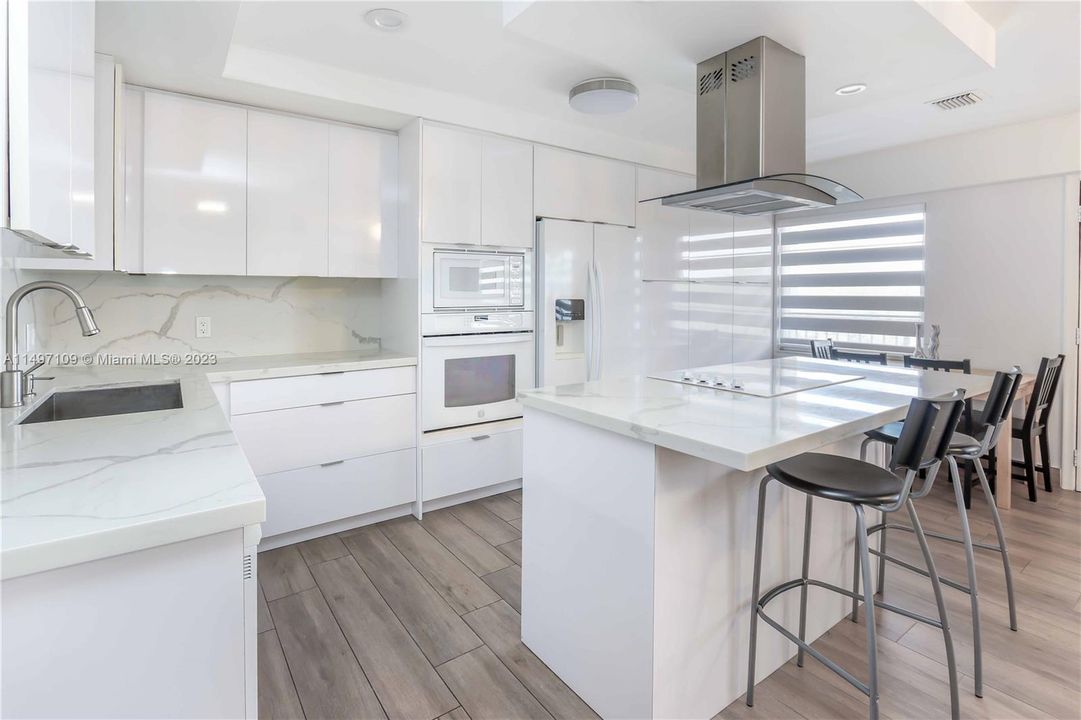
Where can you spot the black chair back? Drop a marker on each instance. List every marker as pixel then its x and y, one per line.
pixel 869 358
pixel 821 349
pixel 999 404
pixel 1043 392
pixel 965 366
pixel 927 431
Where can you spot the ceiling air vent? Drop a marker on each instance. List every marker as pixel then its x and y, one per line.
pixel 956 101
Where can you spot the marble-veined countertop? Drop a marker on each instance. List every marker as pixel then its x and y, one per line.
pixel 79 490
pixel 744 431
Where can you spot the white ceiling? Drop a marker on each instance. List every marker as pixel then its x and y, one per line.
pixel 479 64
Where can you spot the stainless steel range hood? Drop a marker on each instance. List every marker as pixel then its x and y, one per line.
pixel 752 136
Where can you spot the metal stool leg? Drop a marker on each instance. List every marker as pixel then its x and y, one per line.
pixel 1001 543
pixel 855 616
pixel 869 601
pixel 970 561
pixel 803 589
pixel 943 617
pixel 881 588
pixel 755 586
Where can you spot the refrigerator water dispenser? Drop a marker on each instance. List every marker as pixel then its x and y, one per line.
pixel 570 315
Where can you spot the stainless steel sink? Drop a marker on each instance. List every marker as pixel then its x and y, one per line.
pixel 74 404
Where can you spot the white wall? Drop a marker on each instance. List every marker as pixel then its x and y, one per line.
pixel 1049 146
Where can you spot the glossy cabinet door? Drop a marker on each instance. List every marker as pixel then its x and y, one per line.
pixel 576 186
pixel 50 85
pixel 363 222
pixel 620 311
pixel 506 192
pixel 194 205
pixel 451 178
pixel 662 231
pixel 287 195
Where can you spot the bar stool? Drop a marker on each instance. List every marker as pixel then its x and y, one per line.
pixel 822 349
pixel 922 444
pixel 993 418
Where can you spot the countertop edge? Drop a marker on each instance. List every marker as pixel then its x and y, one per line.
pixel 220 375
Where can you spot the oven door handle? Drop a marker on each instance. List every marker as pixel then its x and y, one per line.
pixel 463 340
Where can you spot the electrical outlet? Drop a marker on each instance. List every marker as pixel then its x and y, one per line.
pixel 202 327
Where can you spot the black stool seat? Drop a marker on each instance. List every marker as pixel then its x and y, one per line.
pixel 838 478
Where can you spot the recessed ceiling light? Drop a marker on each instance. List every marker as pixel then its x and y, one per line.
pixel 604 96
pixel 853 89
pixel 385 19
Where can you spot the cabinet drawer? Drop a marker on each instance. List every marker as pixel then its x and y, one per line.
pixel 474 462
pixel 310 496
pixel 301 437
pixel 277 393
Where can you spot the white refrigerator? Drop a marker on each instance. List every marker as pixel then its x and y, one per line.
pixel 595 317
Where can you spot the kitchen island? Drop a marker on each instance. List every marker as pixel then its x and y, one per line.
pixel 638 522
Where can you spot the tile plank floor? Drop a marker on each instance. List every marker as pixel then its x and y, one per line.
pixel 420 621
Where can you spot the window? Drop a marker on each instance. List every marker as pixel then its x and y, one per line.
pixel 855 277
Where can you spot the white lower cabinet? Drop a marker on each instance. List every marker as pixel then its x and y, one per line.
pixel 481 458
pixel 328 447
pixel 310 496
pixel 301 437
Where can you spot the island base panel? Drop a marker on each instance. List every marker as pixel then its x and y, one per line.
pixel 637 568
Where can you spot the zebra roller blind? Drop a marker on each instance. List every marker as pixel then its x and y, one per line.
pixel 855 277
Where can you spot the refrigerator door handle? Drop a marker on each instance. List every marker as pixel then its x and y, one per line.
pixel 599 292
pixel 591 309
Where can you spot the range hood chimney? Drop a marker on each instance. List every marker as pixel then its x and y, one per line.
pixel 751 152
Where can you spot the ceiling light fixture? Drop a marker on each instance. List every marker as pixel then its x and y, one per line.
pixel 385 19
pixel 604 96
pixel 853 89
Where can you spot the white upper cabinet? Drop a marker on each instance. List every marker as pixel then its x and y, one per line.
pixel 506 192
pixel 575 186
pixel 51 122
pixel 476 189
pixel 451 179
pixel 363 203
pixel 662 232
pixel 288 192
pixel 194 207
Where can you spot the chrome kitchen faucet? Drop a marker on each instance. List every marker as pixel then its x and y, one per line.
pixel 13 381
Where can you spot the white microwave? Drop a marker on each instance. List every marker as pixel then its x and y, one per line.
pixel 456 279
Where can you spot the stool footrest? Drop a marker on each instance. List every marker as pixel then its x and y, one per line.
pixel 935 535
pixel 920 571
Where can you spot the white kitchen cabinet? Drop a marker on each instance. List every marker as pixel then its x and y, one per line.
pixel 288 176
pixel 194 177
pixel 451 179
pixel 575 186
pixel 50 85
pixel 506 192
pixel 363 214
pixel 460 461
pixel 662 231
pixel 476 189
pixel 135 635
pixel 99 240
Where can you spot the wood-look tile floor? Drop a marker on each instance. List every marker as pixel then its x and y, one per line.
pixel 420 620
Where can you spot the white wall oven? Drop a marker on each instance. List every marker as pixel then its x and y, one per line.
pixel 473 365
pixel 456 279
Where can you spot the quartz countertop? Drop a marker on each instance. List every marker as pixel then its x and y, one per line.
pixel 744 431
pixel 78 490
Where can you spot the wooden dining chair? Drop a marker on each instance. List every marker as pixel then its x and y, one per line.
pixel 964 366
pixel 1033 427
pixel 821 349
pixel 868 358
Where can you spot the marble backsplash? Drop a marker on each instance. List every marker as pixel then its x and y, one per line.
pixel 156 314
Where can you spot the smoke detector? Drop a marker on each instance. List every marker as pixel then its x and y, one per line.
pixel 953 102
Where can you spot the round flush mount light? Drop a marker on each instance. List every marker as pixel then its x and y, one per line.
pixel 604 96
pixel 853 89
pixel 385 19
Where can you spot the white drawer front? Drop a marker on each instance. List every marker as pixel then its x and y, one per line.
pixel 301 437
pixel 311 496
pixel 277 393
pixel 472 463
